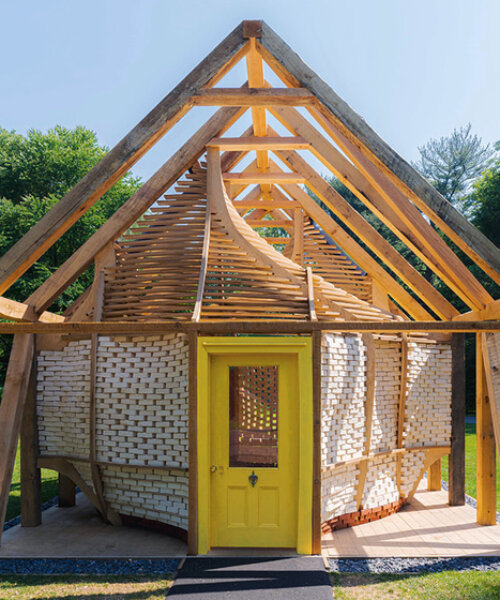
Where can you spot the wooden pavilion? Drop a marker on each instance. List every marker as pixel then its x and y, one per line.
pixel 232 386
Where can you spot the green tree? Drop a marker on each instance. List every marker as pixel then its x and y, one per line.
pixel 453 162
pixel 485 199
pixel 36 170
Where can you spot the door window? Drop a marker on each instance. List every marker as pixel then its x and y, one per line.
pixel 253 416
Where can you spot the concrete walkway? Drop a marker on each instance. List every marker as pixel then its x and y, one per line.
pixel 78 532
pixel 278 578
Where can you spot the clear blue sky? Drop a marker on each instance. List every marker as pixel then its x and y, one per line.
pixel 414 69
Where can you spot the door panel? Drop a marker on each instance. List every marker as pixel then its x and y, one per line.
pixel 254 439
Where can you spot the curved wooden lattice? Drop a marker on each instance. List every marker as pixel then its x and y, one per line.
pixel 178 262
pixel 326 259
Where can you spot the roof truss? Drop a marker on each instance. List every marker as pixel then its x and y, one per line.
pixel 381 179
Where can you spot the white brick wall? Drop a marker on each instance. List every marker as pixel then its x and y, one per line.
pixel 343 387
pixel 141 419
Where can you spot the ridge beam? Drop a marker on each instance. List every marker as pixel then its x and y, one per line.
pixel 252 142
pixel 253 97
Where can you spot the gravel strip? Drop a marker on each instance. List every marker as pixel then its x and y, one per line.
pixel 414 565
pixel 82 566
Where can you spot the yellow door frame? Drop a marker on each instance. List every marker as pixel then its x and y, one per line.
pixel 301 347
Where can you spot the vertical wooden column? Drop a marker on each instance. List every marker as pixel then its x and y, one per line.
pixel 11 412
pixel 316 399
pixel 31 503
pixel 486 456
pixel 434 476
pixel 456 460
pixel 193 444
pixel 66 491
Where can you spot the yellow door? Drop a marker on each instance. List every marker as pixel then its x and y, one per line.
pixel 254 455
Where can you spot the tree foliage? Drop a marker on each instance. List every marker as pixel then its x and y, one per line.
pixel 36 171
pixel 453 162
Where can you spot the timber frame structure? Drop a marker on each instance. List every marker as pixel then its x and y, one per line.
pixel 335 273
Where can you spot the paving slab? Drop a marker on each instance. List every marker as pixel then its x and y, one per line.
pixel 252 578
pixel 79 532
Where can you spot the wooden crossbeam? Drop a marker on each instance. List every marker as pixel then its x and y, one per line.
pixel 19 311
pixel 239 326
pixel 119 160
pixel 263 177
pixel 269 223
pixel 265 204
pixel 252 97
pixel 133 208
pixel 260 143
pixel 294 72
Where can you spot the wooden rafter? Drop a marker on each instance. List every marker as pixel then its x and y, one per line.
pixel 135 206
pixel 294 72
pixel 252 97
pixel 119 160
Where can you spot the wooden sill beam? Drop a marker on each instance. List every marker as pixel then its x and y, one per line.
pixel 248 178
pixel 253 97
pixel 260 143
pixel 242 326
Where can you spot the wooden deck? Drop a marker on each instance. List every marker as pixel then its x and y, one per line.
pixel 427 527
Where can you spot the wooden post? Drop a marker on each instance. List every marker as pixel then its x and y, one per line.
pixel 31 503
pixel 456 460
pixel 434 476
pixel 486 459
pixel 316 398
pixel 66 491
pixel 11 412
pixel 193 444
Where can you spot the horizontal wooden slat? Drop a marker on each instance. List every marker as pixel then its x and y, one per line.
pixel 263 177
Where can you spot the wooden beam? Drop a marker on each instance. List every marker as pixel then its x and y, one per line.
pixel 293 71
pixel 252 97
pixel 310 294
pixel 247 178
pixel 19 311
pixel 133 208
pixel 394 208
pixel 486 457
pixel 456 461
pixel 203 266
pixel 269 223
pixel 260 143
pixel 119 160
pixel 349 175
pixel 31 486
pixel 11 411
pixel 490 312
pixel 242 326
pixel 351 247
pixel 255 72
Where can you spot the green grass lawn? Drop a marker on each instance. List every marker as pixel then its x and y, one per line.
pixel 49 488
pixel 448 585
pixel 470 464
pixel 84 587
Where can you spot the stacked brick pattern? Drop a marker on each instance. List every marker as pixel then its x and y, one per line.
pixel 63 400
pixel 427 422
pixel 141 419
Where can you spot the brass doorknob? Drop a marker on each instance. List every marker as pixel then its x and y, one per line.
pixel 213 468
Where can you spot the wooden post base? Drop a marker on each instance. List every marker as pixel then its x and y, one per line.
pixel 66 491
pixel 434 476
